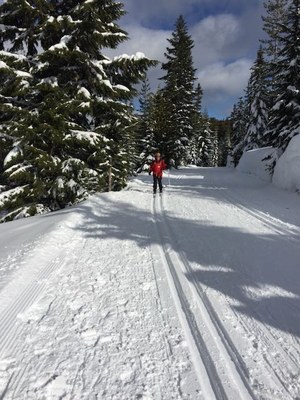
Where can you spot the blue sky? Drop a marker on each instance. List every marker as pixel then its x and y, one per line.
pixel 226 35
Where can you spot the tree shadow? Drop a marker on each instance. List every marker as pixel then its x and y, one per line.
pixel 260 272
pixel 228 185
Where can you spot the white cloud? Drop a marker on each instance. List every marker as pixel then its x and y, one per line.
pixel 150 41
pixel 229 79
pixel 218 31
pixel 215 37
pixel 222 61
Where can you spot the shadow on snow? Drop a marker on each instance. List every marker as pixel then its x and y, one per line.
pixel 260 272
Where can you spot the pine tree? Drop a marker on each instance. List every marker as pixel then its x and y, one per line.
pixel 285 116
pixel 198 99
pixel 213 149
pixel 239 118
pixel 19 46
pixel 179 92
pixel 274 20
pixel 145 97
pixel 146 137
pixel 14 70
pixel 79 122
pixel 160 114
pixel 257 104
pixel 13 84
pixel 269 113
pixel 224 131
pixel 194 156
pixel 209 144
pixel 205 144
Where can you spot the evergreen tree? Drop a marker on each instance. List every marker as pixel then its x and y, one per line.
pixel 79 122
pixel 13 84
pixel 18 48
pixel 285 116
pixel 204 147
pixel 224 131
pixel 239 118
pixel 198 99
pixel 224 146
pixel 209 145
pixel 145 97
pixel 257 104
pixel 146 129
pixel 160 114
pixel 179 92
pixel 274 20
pixel 215 153
pixel 194 153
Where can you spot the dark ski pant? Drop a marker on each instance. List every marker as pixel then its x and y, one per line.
pixel 157 180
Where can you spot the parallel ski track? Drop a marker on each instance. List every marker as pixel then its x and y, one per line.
pixel 11 330
pixel 288 234
pixel 291 236
pixel 266 335
pixel 39 368
pixel 275 225
pixel 223 338
pixel 24 300
pixel 279 228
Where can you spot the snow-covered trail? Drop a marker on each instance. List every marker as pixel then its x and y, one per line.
pixel 239 241
pixel 192 295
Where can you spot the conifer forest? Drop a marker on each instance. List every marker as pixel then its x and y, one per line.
pixel 68 119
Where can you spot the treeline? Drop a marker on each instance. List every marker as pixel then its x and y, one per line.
pixel 172 119
pixel 269 113
pixel 66 119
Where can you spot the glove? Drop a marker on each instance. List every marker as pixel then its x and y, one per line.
pixel 149 172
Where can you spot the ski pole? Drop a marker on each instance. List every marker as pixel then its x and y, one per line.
pixel 169 177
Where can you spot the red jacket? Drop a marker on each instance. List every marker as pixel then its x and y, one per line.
pixel 157 167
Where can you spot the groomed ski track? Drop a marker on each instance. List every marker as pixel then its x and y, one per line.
pixel 191 295
pixel 223 375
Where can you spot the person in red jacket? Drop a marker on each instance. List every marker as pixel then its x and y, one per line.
pixel 157 167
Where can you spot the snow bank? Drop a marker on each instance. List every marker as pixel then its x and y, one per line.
pixel 287 170
pixel 252 163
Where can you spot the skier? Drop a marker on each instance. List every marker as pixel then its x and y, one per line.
pixel 157 167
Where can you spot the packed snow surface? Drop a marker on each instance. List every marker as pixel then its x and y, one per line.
pixel 253 162
pixel 287 170
pixel 192 295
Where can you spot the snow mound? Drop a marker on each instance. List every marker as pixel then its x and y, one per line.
pixel 252 163
pixel 287 170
